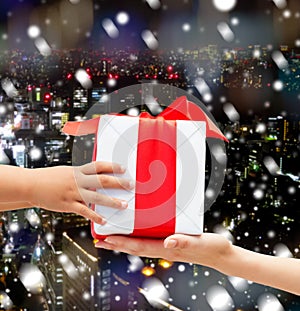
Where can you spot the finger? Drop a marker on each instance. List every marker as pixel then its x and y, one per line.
pixel 94 197
pixel 119 240
pixel 178 241
pixel 98 167
pixel 105 245
pixel 106 181
pixel 86 212
pixel 135 246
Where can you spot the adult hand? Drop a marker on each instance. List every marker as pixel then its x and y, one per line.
pixel 215 251
pixel 72 189
pixel 207 249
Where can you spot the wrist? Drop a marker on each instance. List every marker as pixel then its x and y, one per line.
pixel 225 258
pixel 237 262
pixel 31 181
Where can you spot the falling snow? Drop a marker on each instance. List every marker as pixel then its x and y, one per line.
pixel 219 299
pixel 153 105
pixel 33 31
pixel 239 284
pixel 154 4
pixel 186 27
pixel 122 18
pixel 68 266
pixel 280 60
pixel 149 39
pixel 155 292
pixel 268 302
pixel 43 46
pixel 83 78
pixel 225 31
pixel 224 5
pixel 278 85
pixel 32 278
pixel 271 165
pixel 9 87
pixel 281 4
pixel 203 89
pixel 110 28
pixel 281 250
pixel 136 263
pixel 231 112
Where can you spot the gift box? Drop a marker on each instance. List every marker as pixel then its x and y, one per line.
pixel 165 156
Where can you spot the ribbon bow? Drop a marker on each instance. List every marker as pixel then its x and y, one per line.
pixel 180 109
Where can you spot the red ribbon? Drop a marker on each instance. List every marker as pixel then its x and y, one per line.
pixel 155 194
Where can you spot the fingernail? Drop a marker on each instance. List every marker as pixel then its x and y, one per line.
pixel 131 184
pixel 170 243
pixel 123 169
pixel 103 221
pixel 124 204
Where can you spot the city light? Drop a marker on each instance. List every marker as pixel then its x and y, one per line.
pixel 47 98
pixel 148 271
pixel 165 263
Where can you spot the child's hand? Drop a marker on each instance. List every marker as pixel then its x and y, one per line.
pixel 72 189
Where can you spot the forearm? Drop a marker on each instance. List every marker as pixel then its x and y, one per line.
pixel 277 272
pixel 15 184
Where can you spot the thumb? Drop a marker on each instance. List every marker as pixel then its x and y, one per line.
pixel 177 241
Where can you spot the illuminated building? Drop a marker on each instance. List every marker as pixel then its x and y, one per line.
pixel 105 66
pixel 80 98
pixel 98 95
pixel 285 129
pixel 81 279
pixel 52 271
pixel 88 286
pixel 91 277
pixel 54 224
pixel 275 131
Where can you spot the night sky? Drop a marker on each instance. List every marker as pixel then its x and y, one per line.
pixel 75 23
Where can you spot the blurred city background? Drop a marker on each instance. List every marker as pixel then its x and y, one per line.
pixel 61 60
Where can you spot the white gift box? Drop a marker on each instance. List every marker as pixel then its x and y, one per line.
pixel 165 157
